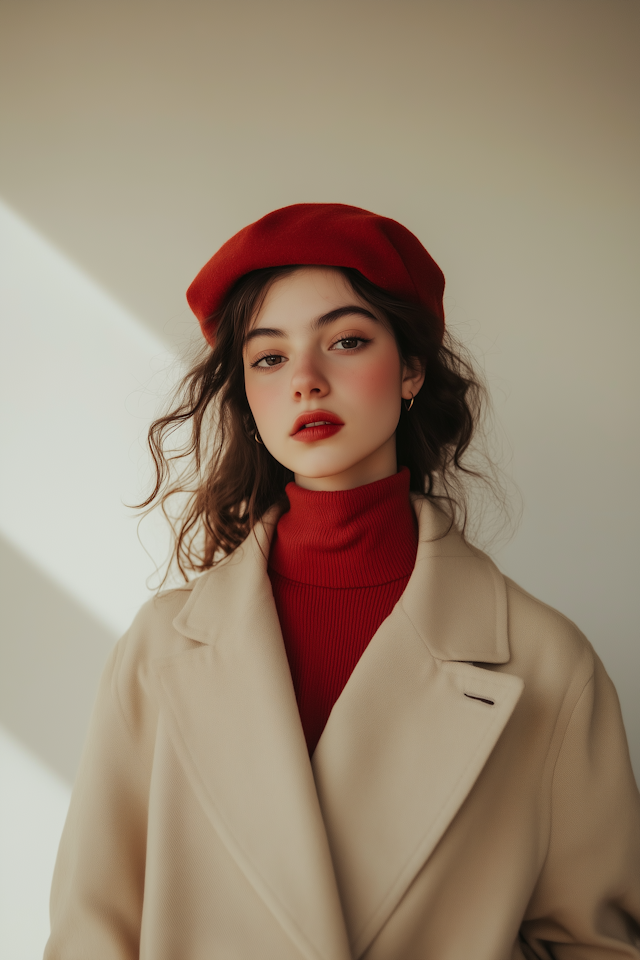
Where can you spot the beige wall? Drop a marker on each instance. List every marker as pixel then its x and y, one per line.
pixel 137 136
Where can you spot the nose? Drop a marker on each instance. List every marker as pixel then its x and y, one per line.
pixel 307 379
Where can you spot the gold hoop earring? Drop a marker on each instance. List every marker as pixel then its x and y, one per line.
pixel 257 439
pixel 407 408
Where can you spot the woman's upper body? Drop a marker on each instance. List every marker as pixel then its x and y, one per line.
pixel 470 795
pixel 469 792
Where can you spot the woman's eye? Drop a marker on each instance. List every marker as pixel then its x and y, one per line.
pixel 270 361
pixel 350 343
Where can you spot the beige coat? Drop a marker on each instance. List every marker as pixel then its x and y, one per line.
pixel 471 797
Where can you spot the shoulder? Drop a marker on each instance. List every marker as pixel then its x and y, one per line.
pixel 529 616
pixel 568 698
pixel 158 613
pixel 152 633
pixel 152 637
pixel 546 646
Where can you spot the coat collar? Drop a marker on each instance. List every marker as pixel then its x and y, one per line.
pixel 455 598
pixel 332 847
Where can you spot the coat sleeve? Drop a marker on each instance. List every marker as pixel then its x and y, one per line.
pixel 587 903
pixel 98 882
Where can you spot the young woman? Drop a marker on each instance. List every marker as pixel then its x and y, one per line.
pixel 350 736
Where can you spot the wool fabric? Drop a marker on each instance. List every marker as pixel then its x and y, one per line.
pixel 328 234
pixel 339 563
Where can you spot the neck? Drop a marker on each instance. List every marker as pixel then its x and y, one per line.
pixel 362 536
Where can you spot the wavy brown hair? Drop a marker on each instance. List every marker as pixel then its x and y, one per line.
pixel 224 481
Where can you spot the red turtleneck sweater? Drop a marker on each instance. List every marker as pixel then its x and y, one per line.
pixel 339 562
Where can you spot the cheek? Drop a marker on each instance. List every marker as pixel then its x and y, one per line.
pixel 263 396
pixel 377 383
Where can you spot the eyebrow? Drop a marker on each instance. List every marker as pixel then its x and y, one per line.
pixel 317 324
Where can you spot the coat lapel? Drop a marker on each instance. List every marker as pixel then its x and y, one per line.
pixel 232 716
pixel 413 728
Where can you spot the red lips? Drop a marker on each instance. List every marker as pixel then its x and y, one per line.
pixel 316 425
pixel 315 416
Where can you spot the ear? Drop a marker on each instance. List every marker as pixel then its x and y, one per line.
pixel 412 379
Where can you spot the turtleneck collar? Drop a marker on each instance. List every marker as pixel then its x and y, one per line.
pixel 347 538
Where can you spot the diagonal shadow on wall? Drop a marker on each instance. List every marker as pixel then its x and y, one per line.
pixel 51 655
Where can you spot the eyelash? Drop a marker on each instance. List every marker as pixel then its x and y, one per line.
pixel 273 356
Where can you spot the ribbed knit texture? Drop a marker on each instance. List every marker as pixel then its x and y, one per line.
pixel 339 562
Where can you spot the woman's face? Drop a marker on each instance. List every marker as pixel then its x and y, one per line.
pixel 316 353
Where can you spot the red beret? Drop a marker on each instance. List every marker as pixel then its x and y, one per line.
pixel 326 234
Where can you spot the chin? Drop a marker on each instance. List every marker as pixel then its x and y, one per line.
pixel 318 463
pixel 319 473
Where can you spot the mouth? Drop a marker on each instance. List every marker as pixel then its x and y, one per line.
pixel 316 425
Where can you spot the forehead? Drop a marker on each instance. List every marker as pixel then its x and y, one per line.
pixel 306 293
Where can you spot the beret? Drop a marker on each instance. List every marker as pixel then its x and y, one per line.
pixel 323 234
